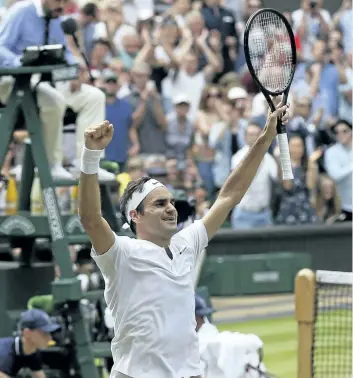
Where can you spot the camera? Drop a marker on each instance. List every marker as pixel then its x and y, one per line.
pixel 184 206
pixel 313 4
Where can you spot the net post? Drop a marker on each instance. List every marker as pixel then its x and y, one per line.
pixel 305 287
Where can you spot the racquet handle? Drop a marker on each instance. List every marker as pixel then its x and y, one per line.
pixel 284 156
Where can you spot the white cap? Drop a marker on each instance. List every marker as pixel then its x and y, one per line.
pixel 145 14
pixel 181 98
pixel 236 93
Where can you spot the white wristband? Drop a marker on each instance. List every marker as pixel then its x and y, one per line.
pixel 90 161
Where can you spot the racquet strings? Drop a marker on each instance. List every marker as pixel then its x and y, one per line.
pixel 270 52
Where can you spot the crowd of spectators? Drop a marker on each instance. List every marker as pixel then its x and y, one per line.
pixel 186 110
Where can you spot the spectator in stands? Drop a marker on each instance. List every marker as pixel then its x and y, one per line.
pixel 159 50
pixel 113 27
pixel 101 56
pixel 326 201
pixel 148 118
pixel 220 140
pixel 202 204
pixel 338 163
pixel 119 112
pixel 238 99
pixel 192 178
pixel 210 112
pixel 343 63
pixel 135 10
pixel 324 81
pixel 180 131
pixel 117 66
pixel 188 75
pixel 304 123
pixel 85 21
pixel 295 206
pixel 311 22
pixel 178 10
pixel 29 18
pixel 254 209
pixel 221 19
pixel 343 20
pixel 23 350
pixel 131 46
pixel 134 170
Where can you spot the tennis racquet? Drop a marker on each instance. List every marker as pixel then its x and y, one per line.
pixel 270 54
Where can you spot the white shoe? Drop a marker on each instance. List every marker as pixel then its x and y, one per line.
pixel 103 175
pixel 17 172
pixel 58 172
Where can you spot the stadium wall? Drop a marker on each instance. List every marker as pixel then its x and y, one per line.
pixel 330 247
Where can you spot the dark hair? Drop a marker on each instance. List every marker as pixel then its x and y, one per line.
pixel 90 9
pixel 132 187
pixel 304 160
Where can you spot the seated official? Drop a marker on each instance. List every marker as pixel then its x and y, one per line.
pixel 34 23
pixel 23 350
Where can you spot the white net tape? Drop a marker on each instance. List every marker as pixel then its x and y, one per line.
pixel 331 277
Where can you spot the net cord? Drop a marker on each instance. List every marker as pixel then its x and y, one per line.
pixel 332 277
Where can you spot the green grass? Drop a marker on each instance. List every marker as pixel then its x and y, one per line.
pixel 280 343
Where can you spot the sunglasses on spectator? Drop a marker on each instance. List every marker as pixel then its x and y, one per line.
pixel 217 95
pixel 134 167
pixel 342 131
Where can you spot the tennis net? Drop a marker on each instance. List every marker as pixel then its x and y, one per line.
pixel 324 315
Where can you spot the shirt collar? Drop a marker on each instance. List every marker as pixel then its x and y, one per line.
pixel 39 8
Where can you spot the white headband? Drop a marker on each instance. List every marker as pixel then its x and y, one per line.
pixel 138 197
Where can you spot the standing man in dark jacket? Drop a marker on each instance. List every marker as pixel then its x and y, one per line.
pixel 219 18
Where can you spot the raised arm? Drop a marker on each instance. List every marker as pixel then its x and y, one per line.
pixel 97 137
pixel 240 179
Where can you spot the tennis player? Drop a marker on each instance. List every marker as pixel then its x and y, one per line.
pixel 149 280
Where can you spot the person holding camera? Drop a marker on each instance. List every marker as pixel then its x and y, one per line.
pixel 23 350
pixel 36 23
pixel 310 22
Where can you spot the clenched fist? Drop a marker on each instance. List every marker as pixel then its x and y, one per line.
pixel 98 137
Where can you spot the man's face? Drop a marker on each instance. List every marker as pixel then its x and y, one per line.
pixel 190 64
pixel 38 338
pixel 252 133
pixel 140 79
pixel 196 25
pixel 343 134
pixel 131 44
pixel 111 88
pixel 182 109
pixel 85 20
pixel 54 8
pixel 159 220
pixel 303 107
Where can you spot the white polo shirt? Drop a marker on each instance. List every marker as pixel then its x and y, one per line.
pixel 151 298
